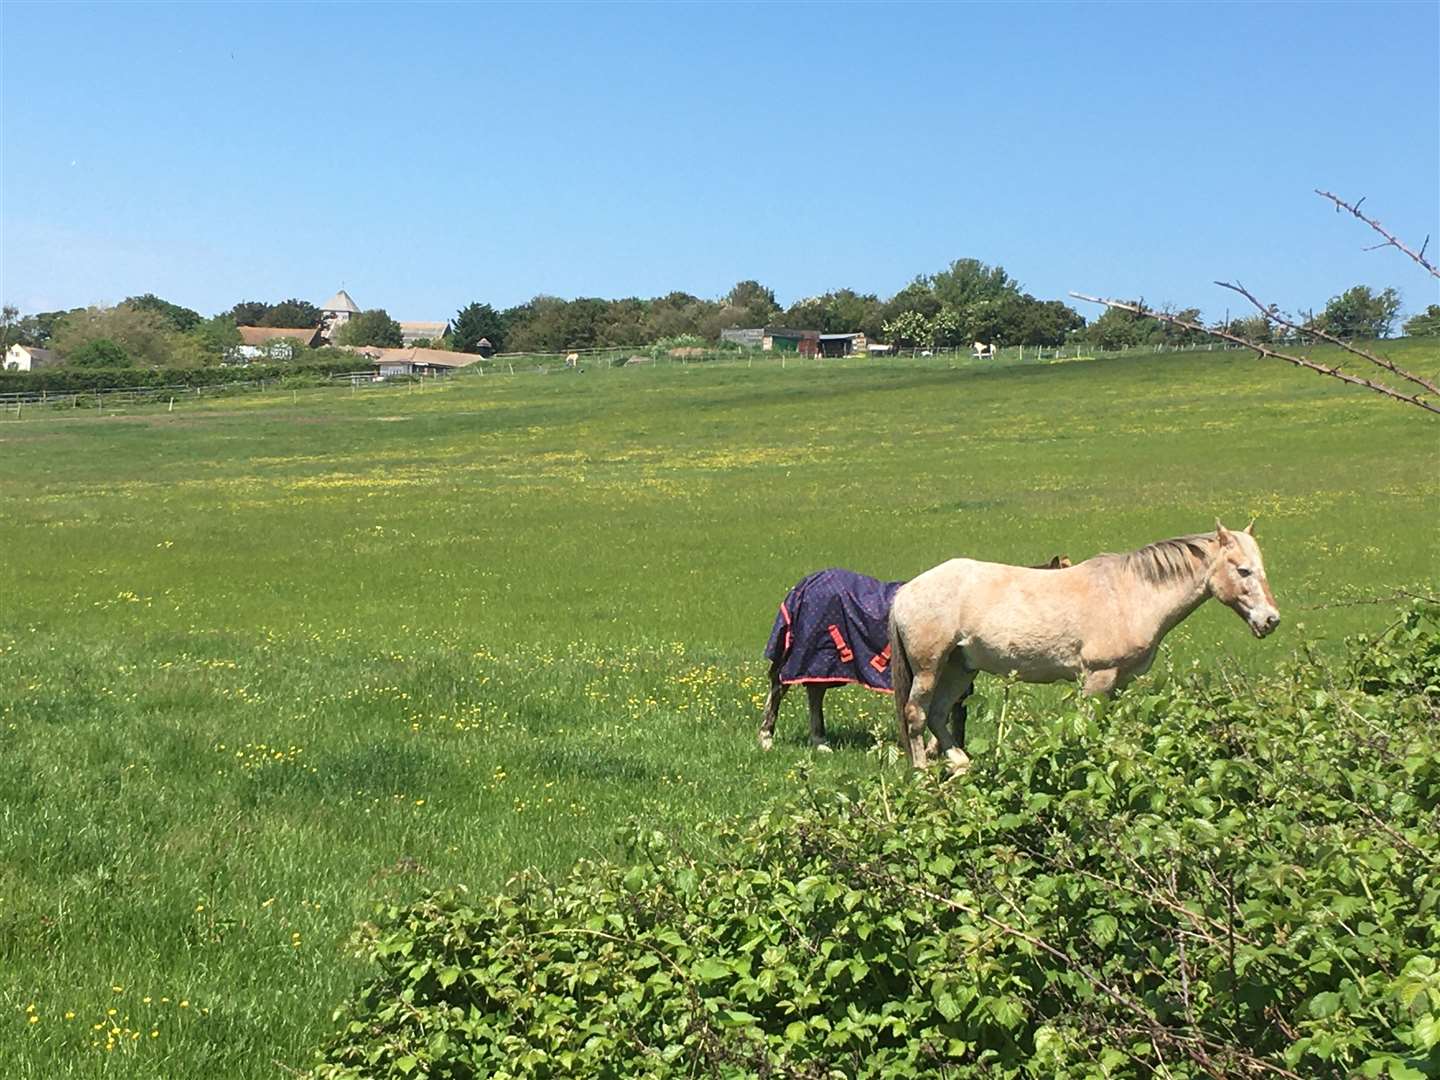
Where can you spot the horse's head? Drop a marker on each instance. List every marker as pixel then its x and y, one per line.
pixel 1237 579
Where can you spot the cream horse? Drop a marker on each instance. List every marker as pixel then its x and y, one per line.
pixel 1099 621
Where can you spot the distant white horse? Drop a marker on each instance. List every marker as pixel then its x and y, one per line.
pixel 983 351
pixel 1100 621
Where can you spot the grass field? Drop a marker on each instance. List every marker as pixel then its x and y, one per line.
pixel 268 660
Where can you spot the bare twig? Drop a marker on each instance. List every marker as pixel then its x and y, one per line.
pixel 1264 350
pixel 1390 239
pixel 1311 330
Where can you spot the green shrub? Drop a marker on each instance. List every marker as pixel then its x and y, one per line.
pixel 99 353
pixel 1201 878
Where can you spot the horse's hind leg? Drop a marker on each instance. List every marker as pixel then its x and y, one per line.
pixel 816 693
pixel 917 711
pixel 772 708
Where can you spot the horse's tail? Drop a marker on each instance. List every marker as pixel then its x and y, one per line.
pixel 901 677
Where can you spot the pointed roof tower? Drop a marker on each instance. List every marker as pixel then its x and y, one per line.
pixel 341 302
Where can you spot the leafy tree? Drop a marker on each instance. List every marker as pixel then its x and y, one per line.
pixel 146 337
pixel 473 322
pixel 212 338
pixel 292 313
pixel 968 281
pixel 750 304
pixel 98 352
pixel 908 328
pixel 9 326
pixel 1360 313
pixel 249 312
pixel 1252 328
pixel 623 323
pixel 918 296
pixel 1425 324
pixel 179 318
pixel 1116 329
pixel 35 330
pixel 373 327
pixel 677 314
pixel 840 311
pixel 1041 322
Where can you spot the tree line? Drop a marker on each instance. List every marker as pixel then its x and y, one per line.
pixel 967 301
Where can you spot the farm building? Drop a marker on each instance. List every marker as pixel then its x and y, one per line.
pixel 844 345
pixel 390 363
pixel 411 332
pixel 28 358
pixel 271 343
pixel 804 342
pixel 750 339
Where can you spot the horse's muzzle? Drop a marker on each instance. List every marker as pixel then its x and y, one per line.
pixel 1263 624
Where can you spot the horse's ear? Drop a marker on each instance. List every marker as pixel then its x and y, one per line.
pixel 1250 529
pixel 1221 533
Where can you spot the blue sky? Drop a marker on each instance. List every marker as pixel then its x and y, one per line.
pixel 430 155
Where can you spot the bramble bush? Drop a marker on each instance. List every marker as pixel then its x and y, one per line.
pixel 1204 877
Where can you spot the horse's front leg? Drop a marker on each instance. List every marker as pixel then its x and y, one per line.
pixel 958 715
pixel 949 704
pixel 772 708
pixel 957 729
pixel 816 693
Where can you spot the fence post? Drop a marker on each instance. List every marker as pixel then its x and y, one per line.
pixel 172 404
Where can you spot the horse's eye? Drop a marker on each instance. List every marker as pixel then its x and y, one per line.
pixel 1243 571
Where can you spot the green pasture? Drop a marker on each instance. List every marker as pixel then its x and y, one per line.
pixel 267 660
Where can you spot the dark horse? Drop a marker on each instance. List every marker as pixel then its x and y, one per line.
pixel 832 630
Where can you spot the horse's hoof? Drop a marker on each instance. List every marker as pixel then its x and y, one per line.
pixel 954 768
pixel 766 742
pixel 822 748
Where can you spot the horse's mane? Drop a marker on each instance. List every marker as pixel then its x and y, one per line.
pixel 1166 560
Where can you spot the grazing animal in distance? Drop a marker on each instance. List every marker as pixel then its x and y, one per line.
pixel 1099 621
pixel 831 630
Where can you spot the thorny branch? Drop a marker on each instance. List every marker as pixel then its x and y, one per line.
pixel 1264 350
pixel 1390 239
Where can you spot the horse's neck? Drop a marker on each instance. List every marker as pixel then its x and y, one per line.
pixel 1171 602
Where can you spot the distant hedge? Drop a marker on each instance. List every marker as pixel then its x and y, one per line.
pixel 62 380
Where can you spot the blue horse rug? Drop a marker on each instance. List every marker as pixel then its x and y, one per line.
pixel 833 628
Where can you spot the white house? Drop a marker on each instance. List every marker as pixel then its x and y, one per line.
pixel 270 343
pixel 28 358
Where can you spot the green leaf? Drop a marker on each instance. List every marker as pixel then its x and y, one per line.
pixel 1103 929
pixel 710 969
